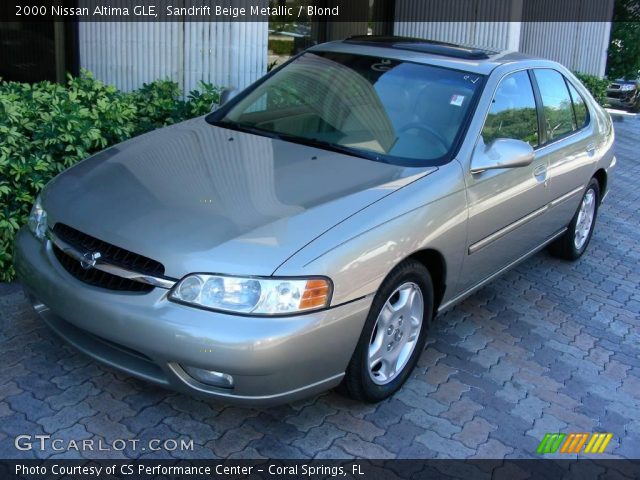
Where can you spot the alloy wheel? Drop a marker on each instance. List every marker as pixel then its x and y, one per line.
pixel 586 214
pixel 395 333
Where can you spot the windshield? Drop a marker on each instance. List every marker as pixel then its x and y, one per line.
pixel 379 108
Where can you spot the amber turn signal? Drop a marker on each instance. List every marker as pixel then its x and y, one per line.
pixel 316 294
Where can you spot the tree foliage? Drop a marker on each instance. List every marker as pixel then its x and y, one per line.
pixel 624 49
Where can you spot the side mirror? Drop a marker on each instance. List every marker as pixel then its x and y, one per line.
pixel 501 153
pixel 226 95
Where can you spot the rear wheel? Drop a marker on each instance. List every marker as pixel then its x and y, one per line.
pixel 393 336
pixel 575 240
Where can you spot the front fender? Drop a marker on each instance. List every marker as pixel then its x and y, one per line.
pixel 360 252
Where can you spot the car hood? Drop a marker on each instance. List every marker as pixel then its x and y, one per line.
pixel 623 82
pixel 200 198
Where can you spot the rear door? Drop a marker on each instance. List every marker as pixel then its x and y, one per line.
pixel 569 144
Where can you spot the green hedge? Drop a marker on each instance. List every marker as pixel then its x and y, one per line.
pixel 281 47
pixel 47 127
pixel 596 85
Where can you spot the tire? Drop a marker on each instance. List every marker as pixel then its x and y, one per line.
pixel 410 279
pixel 573 243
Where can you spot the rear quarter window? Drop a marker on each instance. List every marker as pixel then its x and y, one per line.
pixel 579 107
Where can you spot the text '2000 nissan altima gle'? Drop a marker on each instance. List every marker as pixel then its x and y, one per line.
pixel 305 233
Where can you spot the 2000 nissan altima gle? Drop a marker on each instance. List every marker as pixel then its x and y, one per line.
pixel 305 233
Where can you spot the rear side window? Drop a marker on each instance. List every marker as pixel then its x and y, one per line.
pixel 579 107
pixel 513 111
pixel 558 108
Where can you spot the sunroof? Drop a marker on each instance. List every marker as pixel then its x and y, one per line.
pixel 425 46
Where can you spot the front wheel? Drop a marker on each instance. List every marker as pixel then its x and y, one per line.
pixel 575 240
pixel 393 336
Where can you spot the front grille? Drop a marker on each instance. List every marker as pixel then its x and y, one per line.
pixel 110 254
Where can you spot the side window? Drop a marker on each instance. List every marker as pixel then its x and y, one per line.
pixel 558 109
pixel 579 106
pixel 513 111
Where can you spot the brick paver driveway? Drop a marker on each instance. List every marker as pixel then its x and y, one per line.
pixel 549 347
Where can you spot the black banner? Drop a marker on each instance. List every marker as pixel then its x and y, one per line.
pixel 312 10
pixel 318 469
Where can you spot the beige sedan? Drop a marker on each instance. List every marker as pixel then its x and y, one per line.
pixel 304 234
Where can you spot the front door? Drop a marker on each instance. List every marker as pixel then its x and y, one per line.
pixel 506 206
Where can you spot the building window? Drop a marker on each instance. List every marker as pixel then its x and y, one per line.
pixel 37 51
pixel 288 38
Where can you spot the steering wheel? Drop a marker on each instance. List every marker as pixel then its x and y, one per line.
pixel 426 128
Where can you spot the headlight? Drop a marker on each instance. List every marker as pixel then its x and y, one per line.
pixel 627 87
pixel 38 220
pixel 253 295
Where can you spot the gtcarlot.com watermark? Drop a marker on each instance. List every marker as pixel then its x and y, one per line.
pixel 49 443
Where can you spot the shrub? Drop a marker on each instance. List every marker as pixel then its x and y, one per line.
pixel 596 85
pixel 46 127
pixel 157 104
pixel 201 101
pixel 281 47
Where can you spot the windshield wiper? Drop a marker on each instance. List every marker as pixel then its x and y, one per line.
pixel 314 142
pixel 243 127
pixel 311 142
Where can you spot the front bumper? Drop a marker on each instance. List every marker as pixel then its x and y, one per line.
pixel 272 360
pixel 622 99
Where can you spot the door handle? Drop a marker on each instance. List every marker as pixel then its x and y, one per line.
pixel 540 172
pixel 591 149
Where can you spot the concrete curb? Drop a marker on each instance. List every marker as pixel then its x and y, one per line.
pixel 621 115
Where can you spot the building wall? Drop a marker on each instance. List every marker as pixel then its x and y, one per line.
pixel 579 46
pixel 128 54
pixel 493 35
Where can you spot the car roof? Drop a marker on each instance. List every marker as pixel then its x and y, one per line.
pixel 476 60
